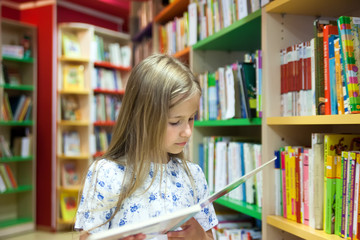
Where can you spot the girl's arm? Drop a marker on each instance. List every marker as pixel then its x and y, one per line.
pixel 191 230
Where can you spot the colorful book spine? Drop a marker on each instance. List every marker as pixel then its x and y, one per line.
pixel 344 159
pixel 338 77
pixel 356 197
pixel 339 196
pixel 349 29
pixel 332 76
pixel 284 181
pixel 330 195
pixel 351 191
pixel 306 185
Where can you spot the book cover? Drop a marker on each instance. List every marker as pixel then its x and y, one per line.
pixel 73 78
pixel 349 29
pixel 71 45
pixel 332 76
pixel 329 30
pixel 329 219
pixel 70 175
pixel 344 205
pixel 339 196
pixel 338 78
pixel 71 143
pixel 306 185
pixel 68 205
pixel 170 222
pixel 11 176
pixel 350 192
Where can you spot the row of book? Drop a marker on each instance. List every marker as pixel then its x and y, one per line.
pixel 7 178
pixel 319 185
pixel 224 159
pixel 71 143
pixel 236 231
pixel 70 175
pixel 232 91
pixel 104 78
pixel 105 107
pixel 110 52
pixel 22 146
pixel 143 50
pixel 102 139
pixel 320 76
pixel 210 16
pixel 16 107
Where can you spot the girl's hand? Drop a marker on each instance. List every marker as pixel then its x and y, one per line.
pixel 191 230
pixel 139 236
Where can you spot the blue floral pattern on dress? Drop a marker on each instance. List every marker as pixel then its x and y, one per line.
pixel 104 182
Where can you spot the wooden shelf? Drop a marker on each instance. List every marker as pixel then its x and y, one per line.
pixel 64 222
pixel 69 189
pixel 80 157
pixel 18 87
pixel 14 222
pixel 79 92
pixel 107 91
pixel 21 60
pixel 74 123
pixel 333 8
pixel 183 53
pixel 177 8
pixel 229 122
pixel 236 36
pixel 104 124
pixel 240 206
pixel 112 66
pixel 70 59
pixel 315 120
pixel 299 230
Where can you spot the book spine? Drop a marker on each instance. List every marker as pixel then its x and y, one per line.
pixel 329 200
pixel 351 188
pixel 283 181
pixel 344 159
pixel 306 185
pixel 339 196
pixel 356 195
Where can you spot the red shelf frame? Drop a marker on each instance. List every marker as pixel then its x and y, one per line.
pixel 112 66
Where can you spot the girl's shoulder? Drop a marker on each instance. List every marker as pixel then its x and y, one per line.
pixel 194 167
pixel 106 166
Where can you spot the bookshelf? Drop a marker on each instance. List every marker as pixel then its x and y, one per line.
pixel 105 67
pixel 287 22
pixel 219 50
pixel 17 204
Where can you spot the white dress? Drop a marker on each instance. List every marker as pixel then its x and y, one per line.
pixel 97 201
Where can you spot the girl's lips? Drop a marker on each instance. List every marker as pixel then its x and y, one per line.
pixel 181 144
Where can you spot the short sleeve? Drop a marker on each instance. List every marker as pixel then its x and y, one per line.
pixel 207 217
pixel 98 200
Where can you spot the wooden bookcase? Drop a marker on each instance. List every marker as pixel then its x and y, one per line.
pixel 284 23
pixel 17 205
pixel 219 50
pixel 78 115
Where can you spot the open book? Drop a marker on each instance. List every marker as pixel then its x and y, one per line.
pixel 172 221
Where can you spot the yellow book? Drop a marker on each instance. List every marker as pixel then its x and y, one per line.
pixel 73 77
pixel 71 45
pixel 68 205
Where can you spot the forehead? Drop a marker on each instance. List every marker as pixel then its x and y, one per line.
pixel 185 108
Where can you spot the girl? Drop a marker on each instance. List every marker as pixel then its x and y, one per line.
pixel 144 173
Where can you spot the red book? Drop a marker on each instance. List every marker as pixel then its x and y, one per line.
pixel 11 176
pixel 328 30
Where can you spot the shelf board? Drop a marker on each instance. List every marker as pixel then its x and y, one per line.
pixel 143 33
pixel 104 123
pixel 69 189
pixel 240 206
pixel 244 34
pixel 72 59
pixel 15 159
pixel 15 59
pixel 107 91
pixel 229 122
pixel 315 120
pixel 334 8
pixel 73 123
pixel 177 8
pixel 112 66
pixel 13 222
pixel 300 230
pixel 78 92
pixel 20 189
pixel 17 87
pixel 80 157
pixel 16 123
pixel 65 222
pixel 183 53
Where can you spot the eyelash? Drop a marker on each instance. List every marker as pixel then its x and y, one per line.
pixel 178 122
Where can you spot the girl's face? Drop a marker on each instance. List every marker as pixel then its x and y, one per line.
pixel 180 124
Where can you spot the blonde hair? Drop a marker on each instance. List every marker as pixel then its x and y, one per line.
pixel 155 85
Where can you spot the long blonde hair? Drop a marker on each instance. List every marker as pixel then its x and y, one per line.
pixel 155 85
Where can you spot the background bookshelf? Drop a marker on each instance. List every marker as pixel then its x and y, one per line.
pixel 285 23
pixel 18 81
pixel 207 55
pixel 88 107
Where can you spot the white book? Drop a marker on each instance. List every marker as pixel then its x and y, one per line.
pixel 2 184
pixel 220 165
pixel 211 149
pixel 172 221
pixel 249 166
pixel 230 93
pixel 192 9
pixel 242 9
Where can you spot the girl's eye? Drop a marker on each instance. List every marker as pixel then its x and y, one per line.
pixel 191 119
pixel 174 123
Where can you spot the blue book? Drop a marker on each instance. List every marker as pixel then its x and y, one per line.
pixel 332 75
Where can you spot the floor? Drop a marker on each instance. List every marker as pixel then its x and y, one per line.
pixel 46 236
